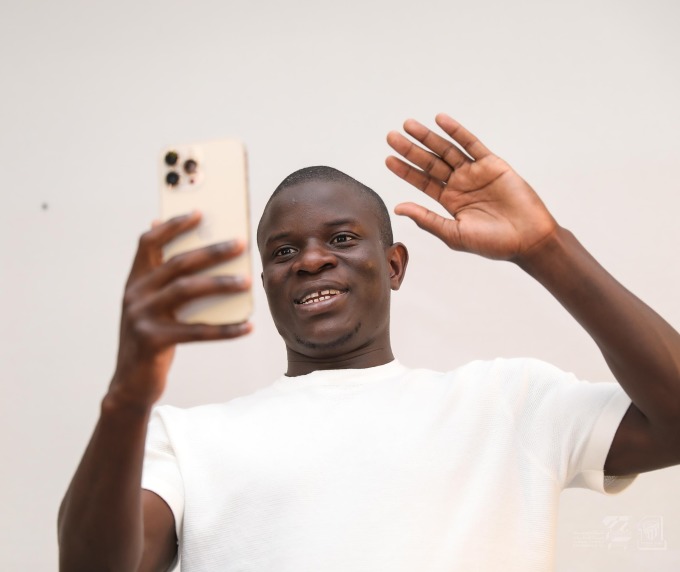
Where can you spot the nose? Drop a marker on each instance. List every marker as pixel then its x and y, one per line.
pixel 313 258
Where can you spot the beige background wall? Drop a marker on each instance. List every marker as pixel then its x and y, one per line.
pixel 581 97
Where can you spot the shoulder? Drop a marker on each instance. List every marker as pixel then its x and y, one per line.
pixel 499 371
pixel 171 416
pixel 518 383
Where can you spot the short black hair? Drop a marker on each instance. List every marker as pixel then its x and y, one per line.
pixel 329 174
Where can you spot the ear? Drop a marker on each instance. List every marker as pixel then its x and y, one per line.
pixel 397 259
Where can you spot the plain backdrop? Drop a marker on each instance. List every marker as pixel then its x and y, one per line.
pixel 581 97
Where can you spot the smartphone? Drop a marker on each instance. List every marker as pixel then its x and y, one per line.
pixel 210 177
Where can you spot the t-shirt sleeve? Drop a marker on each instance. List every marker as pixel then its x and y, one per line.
pixel 572 424
pixel 587 469
pixel 161 473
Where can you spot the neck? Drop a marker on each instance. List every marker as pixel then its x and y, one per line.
pixel 299 364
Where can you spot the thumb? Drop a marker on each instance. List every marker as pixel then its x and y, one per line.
pixel 445 229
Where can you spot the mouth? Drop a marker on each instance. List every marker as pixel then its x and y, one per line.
pixel 319 296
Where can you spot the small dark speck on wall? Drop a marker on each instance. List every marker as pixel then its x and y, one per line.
pixel 44 206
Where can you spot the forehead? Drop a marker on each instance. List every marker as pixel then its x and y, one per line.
pixel 312 204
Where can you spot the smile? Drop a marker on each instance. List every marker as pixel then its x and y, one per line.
pixel 319 296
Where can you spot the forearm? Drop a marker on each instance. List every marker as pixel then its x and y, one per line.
pixel 641 349
pixel 101 519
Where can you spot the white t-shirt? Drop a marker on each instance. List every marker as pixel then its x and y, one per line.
pixel 385 468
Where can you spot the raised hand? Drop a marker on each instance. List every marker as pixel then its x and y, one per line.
pixel 495 213
pixel 155 289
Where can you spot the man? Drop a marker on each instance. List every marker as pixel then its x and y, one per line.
pixel 351 461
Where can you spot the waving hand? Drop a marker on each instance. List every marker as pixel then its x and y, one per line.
pixel 495 213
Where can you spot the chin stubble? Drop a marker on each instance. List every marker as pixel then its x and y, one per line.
pixel 329 345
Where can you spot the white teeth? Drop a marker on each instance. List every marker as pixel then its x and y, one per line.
pixel 315 297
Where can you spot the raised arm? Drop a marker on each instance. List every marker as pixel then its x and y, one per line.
pixel 106 522
pixel 496 214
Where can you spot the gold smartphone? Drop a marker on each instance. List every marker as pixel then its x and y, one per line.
pixel 210 177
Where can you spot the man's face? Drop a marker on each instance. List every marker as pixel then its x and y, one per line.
pixel 325 272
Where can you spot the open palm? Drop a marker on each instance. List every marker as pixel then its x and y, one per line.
pixel 495 213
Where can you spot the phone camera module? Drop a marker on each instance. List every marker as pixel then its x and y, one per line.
pixel 190 166
pixel 171 158
pixel 172 179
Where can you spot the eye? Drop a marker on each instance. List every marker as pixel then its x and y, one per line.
pixel 341 238
pixel 284 251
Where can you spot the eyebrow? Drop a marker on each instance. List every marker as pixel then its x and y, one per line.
pixel 340 222
pixel 276 237
pixel 330 224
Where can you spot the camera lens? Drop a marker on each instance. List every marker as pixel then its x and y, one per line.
pixel 171 158
pixel 172 178
pixel 190 166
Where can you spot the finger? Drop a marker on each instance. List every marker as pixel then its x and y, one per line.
pixel 431 187
pixel 445 229
pixel 185 264
pixel 149 251
pixel 427 161
pixel 451 154
pixel 196 260
pixel 189 288
pixel 473 146
pixel 177 333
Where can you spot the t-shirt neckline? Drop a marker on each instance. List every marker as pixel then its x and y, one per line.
pixel 326 377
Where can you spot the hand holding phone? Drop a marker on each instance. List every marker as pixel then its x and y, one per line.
pixel 149 329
